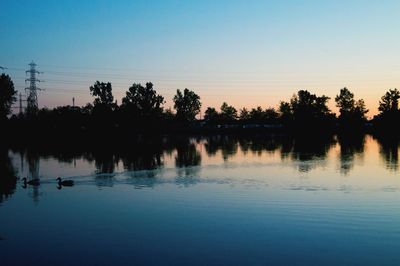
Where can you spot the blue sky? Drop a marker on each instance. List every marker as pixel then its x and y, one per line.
pixel 247 53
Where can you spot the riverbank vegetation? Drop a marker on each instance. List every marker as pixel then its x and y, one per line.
pixel 142 111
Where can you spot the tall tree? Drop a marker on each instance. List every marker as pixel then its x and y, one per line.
pixel 345 101
pixel 187 105
pixel 143 101
pixel 389 102
pixel 352 112
pixel 307 112
pixel 309 106
pixel 360 107
pixel 7 95
pixel 389 115
pixel 103 94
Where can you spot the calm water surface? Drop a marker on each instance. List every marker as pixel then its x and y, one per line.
pixel 213 200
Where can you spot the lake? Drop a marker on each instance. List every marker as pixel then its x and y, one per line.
pixel 213 200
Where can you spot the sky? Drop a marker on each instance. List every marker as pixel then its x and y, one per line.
pixel 247 53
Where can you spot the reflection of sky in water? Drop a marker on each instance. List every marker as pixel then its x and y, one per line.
pixel 218 201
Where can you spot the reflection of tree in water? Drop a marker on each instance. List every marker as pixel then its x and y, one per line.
pixel 145 161
pixel 211 146
pixel 187 156
pixel 33 159
pixel 145 155
pixel 389 151
pixel 8 178
pixel 308 152
pixel 227 144
pixel 258 144
pixel 104 161
pixel 350 145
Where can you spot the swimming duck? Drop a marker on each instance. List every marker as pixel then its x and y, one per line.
pixel 65 183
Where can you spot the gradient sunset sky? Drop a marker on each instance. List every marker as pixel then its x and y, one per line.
pixel 247 53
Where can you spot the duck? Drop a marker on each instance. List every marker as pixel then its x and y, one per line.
pixel 65 183
pixel 33 182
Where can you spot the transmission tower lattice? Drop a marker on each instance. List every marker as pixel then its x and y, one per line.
pixel 32 100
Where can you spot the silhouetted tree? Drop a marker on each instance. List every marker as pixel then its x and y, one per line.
pixel 244 114
pixel 307 105
pixel 389 102
pixel 103 94
pixel 352 113
pixel 257 114
pixel 102 116
pixel 228 113
pixel 389 115
pixel 286 114
pixel 211 115
pixel 270 115
pixel 187 105
pixel 7 96
pixel 143 101
pixel 306 112
pixel 345 101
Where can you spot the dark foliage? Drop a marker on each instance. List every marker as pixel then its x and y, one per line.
pixel 386 123
pixel 7 96
pixel 352 112
pixel 307 112
pixel 187 105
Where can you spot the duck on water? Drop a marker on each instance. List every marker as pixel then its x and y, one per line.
pixel 65 183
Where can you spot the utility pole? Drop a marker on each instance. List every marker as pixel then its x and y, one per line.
pixel 73 101
pixel 32 106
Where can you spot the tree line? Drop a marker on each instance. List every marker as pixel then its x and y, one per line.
pixel 142 110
